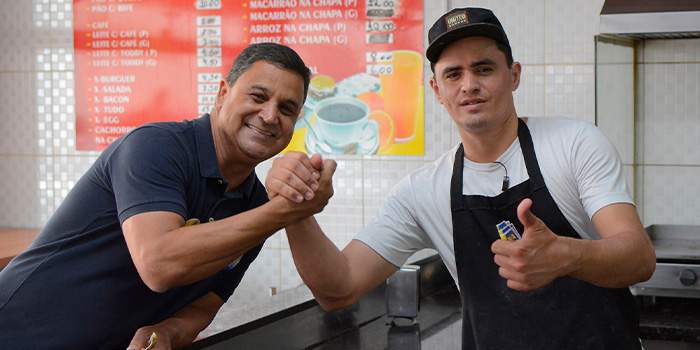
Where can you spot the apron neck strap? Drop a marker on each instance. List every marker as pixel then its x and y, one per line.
pixel 456 184
pixel 527 148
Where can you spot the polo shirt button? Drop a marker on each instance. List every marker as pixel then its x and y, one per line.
pixel 220 182
pixel 211 219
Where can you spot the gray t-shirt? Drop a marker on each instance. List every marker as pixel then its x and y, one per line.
pixel 580 166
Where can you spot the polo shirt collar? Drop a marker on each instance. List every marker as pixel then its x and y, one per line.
pixel 206 153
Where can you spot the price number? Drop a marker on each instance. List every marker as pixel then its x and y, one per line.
pixel 380 57
pixel 380 69
pixel 206 99
pixel 208 20
pixel 209 31
pixel 209 52
pixel 208 4
pixel 207 88
pixel 380 3
pixel 209 41
pixel 380 26
pixel 208 77
pixel 209 62
pixel 201 109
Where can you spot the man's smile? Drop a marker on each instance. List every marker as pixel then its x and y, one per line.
pixel 473 103
pixel 260 131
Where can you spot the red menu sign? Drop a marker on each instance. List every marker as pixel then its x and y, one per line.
pixel 139 61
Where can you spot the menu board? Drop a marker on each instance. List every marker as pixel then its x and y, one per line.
pixel 140 61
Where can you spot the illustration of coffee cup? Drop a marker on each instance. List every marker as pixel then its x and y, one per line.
pixel 344 120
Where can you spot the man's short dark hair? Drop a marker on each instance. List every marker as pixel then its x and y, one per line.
pixel 279 55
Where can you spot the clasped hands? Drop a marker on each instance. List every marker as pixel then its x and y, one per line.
pixel 304 180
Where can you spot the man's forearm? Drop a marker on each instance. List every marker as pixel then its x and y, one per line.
pixel 183 327
pixel 337 278
pixel 623 256
pixel 323 267
pixel 184 255
pixel 614 262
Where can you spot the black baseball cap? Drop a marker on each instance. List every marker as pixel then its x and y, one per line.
pixel 461 23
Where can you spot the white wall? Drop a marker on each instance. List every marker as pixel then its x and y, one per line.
pixel 668 128
pixel 553 39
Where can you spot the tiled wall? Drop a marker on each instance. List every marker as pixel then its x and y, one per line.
pixel 668 126
pixel 654 128
pixel 553 39
pixel 615 100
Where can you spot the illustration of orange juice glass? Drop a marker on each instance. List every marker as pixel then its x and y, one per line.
pixel 401 89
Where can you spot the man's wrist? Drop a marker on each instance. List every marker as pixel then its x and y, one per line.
pixel 572 249
pixel 173 331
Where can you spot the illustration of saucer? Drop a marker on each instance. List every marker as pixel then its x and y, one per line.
pixel 368 144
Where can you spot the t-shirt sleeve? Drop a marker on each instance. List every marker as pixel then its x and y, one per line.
pixel 395 232
pixel 598 170
pixel 148 173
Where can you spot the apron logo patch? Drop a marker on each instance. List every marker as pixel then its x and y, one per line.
pixel 507 231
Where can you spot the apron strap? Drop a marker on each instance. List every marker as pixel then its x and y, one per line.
pixel 457 183
pixel 528 151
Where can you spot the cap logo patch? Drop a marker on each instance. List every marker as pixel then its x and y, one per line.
pixel 456 20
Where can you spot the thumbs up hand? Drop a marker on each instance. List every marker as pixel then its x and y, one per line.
pixel 536 259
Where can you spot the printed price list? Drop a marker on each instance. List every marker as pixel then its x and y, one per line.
pixel 139 61
pixel 209 55
pixel 108 50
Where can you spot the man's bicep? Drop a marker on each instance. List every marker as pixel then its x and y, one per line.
pixel 144 235
pixel 630 253
pixel 615 218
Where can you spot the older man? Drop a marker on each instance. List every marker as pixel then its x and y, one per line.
pixel 160 230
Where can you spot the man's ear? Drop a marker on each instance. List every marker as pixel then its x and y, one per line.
pixel 224 89
pixel 434 85
pixel 515 73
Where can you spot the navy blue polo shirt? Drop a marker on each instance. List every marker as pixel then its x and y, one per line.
pixel 76 285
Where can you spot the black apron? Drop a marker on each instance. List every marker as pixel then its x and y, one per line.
pixel 566 314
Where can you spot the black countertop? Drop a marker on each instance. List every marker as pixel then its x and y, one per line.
pixel 438 326
pixel 362 326
pixel 666 318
